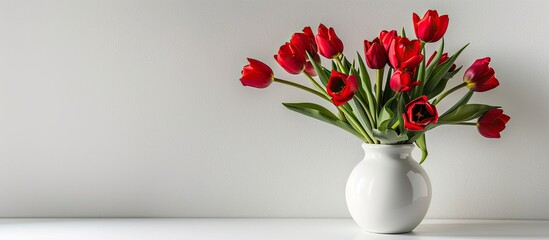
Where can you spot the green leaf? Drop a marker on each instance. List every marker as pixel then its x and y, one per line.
pixel 336 67
pixel 386 115
pixel 422 145
pixel 465 113
pixel 388 93
pixel 400 110
pixel 403 33
pixel 362 118
pixel 360 91
pixel 442 84
pixel 346 64
pixel 435 60
pixel 440 71
pixel 418 91
pixel 322 114
pixel 320 71
pixel 366 86
pixel 464 100
pixel 312 107
pixel 389 136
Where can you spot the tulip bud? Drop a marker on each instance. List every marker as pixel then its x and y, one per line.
pixel 375 54
pixel 402 81
pixel 329 45
pixel 480 77
pixel 443 59
pixel 386 38
pixel 492 123
pixel 256 74
pixel 305 42
pixel 290 58
pixel 431 27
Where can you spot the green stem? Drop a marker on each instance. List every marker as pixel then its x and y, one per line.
pixel 379 80
pixel 338 62
pixel 318 87
pixel 418 91
pixel 463 123
pixel 363 104
pixel 357 126
pixel 395 125
pixel 443 95
pixel 297 85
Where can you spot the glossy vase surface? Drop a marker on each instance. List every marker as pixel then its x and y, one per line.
pixel 388 191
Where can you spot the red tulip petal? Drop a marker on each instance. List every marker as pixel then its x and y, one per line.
pixel 415 19
pixel 352 84
pixel 307 30
pixel 442 27
pixel 309 69
pixel 504 118
pixel 259 66
pixel 488 132
pixel 488 85
pixel 336 42
pixel 412 63
pixel 325 48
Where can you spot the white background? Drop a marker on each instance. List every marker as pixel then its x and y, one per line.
pixel 134 108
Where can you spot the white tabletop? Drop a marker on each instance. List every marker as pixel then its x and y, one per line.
pixel 257 229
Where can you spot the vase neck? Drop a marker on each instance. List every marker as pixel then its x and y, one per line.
pixel 399 151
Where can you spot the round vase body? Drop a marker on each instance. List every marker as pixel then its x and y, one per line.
pixel 388 191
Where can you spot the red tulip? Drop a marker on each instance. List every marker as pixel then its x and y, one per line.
pixel 305 42
pixel 375 54
pixel 256 74
pixel 329 45
pixel 290 58
pixel 492 123
pixel 402 81
pixel 431 27
pixel 405 54
pixel 387 37
pixel 419 113
pixel 443 59
pixel 341 87
pixel 480 77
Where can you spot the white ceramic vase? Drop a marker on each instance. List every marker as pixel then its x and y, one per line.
pixel 388 191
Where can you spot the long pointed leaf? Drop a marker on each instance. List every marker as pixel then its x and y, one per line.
pixel 422 145
pixel 386 115
pixel 465 113
pixel 322 114
pixel 387 91
pixel 400 110
pixel 442 84
pixel 361 116
pixel 367 86
pixel 439 71
pixel 418 91
pixel 435 60
pixel 319 70
pixel 464 100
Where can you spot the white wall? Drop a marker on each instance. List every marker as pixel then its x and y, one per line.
pixel 134 108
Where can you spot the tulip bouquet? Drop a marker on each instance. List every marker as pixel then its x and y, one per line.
pixel 400 104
